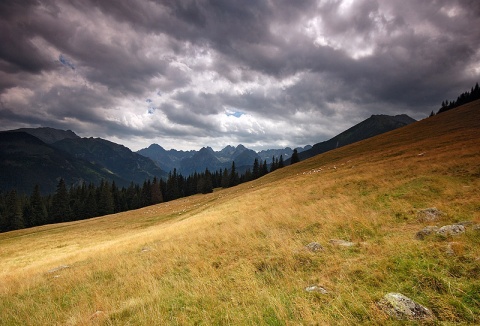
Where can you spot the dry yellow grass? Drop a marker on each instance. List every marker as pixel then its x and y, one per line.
pixel 238 257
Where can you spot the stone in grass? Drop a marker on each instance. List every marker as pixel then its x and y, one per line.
pixel 426 231
pixel 316 289
pixel 429 214
pixel 314 247
pixel 57 269
pixel 341 243
pixel 401 307
pixel 454 229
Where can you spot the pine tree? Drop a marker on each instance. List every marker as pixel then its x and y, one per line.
pixel 117 202
pixel 146 193
pixel 295 158
pixel 60 209
pixel 38 211
pixel 233 176
pixel 281 164
pixel 3 219
pixel 90 207
pixel 156 192
pixel 256 169
pixel 264 169
pixel 13 212
pixel 273 166
pixel 225 179
pixel 204 183
pixel 105 199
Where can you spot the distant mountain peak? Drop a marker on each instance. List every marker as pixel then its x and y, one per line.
pixel 206 149
pixel 49 135
pixel 375 125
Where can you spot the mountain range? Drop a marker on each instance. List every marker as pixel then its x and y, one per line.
pixel 42 156
pixel 188 162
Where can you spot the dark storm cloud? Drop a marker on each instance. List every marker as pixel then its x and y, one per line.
pixel 320 65
pixel 18 52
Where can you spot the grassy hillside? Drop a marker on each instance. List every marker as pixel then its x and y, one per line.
pixel 238 256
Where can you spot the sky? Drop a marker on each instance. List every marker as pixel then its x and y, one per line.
pixel 266 74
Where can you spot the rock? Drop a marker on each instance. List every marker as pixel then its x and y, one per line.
pixel 454 229
pixel 341 243
pixel 314 247
pixel 401 307
pixel 426 231
pixel 316 288
pixel 429 214
pixel 57 269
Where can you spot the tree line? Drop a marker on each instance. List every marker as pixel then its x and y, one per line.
pixel 464 98
pixel 85 201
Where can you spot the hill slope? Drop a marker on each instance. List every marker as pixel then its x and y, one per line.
pixel 373 126
pixel 238 256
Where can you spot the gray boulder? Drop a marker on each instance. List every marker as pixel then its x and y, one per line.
pixel 314 247
pixel 400 307
pixel 316 288
pixel 426 231
pixel 454 229
pixel 429 214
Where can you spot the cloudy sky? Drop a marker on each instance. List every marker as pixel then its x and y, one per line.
pixel 264 73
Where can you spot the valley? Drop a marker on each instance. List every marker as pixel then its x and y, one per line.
pixel 239 255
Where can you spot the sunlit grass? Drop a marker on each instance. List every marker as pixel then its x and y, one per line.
pixel 237 256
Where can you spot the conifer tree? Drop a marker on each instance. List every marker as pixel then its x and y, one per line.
pixel 3 220
pixel 156 192
pixel 105 203
pixel 233 176
pixel 225 179
pixel 38 211
pixel 295 158
pixel 13 212
pixel 146 193
pixel 60 208
pixel 264 169
pixel 273 166
pixel 204 183
pixel 90 207
pixel 256 169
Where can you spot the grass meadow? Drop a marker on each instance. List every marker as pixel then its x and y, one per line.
pixel 237 256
